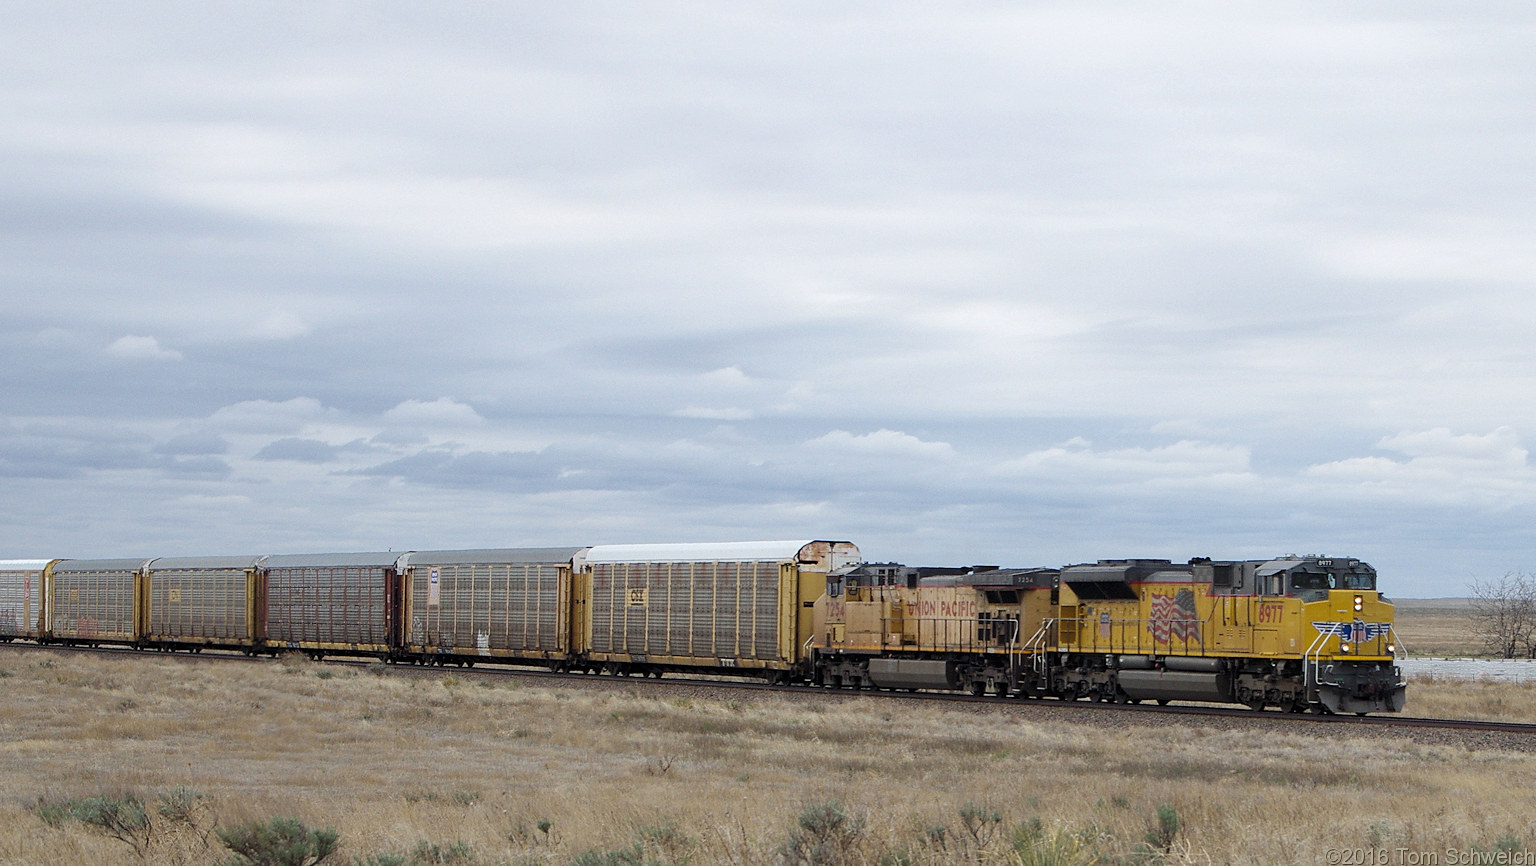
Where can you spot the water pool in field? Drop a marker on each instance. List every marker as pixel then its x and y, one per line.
pixel 1504 670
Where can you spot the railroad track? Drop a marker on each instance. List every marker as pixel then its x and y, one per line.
pixel 727 685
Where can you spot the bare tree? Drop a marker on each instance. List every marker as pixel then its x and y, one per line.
pixel 1504 614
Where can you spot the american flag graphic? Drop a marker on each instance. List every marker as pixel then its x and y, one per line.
pixel 1174 616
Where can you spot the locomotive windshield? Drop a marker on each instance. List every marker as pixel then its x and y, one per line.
pixel 1359 581
pixel 1305 580
pixel 1302 581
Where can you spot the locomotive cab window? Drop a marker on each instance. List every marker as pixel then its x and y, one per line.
pixel 1359 581
pixel 1313 581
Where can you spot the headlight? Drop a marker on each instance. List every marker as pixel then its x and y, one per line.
pixel 1359 603
pixel 1391 648
pixel 1343 646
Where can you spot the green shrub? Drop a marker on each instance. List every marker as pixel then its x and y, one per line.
pixel 432 854
pixel 121 816
pixel 1059 847
pixel 825 835
pixel 425 854
pixel 52 812
pixel 279 842
pixel 634 855
pixel 180 803
pixel 1166 829
pixel 981 823
pixel 178 828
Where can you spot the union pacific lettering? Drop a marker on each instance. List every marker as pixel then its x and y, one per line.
pixel 942 609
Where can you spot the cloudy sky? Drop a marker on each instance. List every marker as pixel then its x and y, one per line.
pixel 1024 283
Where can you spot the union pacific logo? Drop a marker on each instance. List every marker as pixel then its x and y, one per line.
pixel 1355 631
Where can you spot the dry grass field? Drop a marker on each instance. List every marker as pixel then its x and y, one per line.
pixel 1437 627
pixel 464 769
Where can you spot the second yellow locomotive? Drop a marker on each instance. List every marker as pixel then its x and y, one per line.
pixel 1298 632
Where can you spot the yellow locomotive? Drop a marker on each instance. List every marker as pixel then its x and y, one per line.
pixel 1299 633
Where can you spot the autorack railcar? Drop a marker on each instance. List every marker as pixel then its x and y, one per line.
pixel 96 601
pixel 512 605
pixel 203 601
pixel 742 607
pixel 21 598
pixel 338 603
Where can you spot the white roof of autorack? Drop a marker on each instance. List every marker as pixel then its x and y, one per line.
pixel 729 551
pixel 24 564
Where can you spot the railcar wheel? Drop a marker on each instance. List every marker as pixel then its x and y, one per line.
pixel 1163 702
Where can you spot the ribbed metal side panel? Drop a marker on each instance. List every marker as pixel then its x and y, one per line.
pixel 705 610
pixel 489 606
pixel 199 604
pixel 94 605
pixel 328 605
pixel 19 602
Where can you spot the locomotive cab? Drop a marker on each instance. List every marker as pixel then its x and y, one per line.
pixel 1343 627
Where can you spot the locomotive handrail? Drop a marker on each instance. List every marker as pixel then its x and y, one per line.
pixel 1400 652
pixel 1013 653
pixel 1037 646
pixel 1311 661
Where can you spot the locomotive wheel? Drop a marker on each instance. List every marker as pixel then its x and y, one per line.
pixel 1256 704
pixel 978 688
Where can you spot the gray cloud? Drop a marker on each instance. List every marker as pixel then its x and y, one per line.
pixel 1024 284
pixel 302 450
pixel 195 444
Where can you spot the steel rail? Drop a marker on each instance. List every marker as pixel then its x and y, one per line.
pixel 723 684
